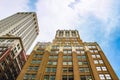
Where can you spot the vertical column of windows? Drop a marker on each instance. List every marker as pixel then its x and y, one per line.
pixel 100 66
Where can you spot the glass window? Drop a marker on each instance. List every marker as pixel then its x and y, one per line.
pixel 50 57
pixel 33 68
pixel 84 69
pixel 46 77
pixel 64 69
pixel 69 52
pixel 87 69
pixel 79 57
pixel 65 52
pixel 55 57
pixel 104 68
pixel 107 76
pixel 36 61
pixel 70 69
pixel 98 68
pixel 64 77
pixel 82 52
pixel 78 52
pixel 83 57
pixel 52 77
pixel 85 63
pixel 29 76
pixel 101 61
pixel 87 77
pixel 95 51
pixel 79 63
pixel 38 56
pixel 64 63
pixel 69 57
pixel 95 61
pixel 93 56
pixel 49 63
pixel 70 77
pixel 98 56
pixel 102 76
pixel 53 69
pixel 54 63
pixel 69 63
pixel 81 69
pixel 91 51
pixel 47 69
pixel 64 57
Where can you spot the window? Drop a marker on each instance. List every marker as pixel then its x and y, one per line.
pixel 49 63
pixel 54 63
pixel 95 51
pixel 79 63
pixel 84 70
pixel 38 56
pixel 98 56
pixel 50 69
pixel 33 68
pixel 78 52
pixel 87 77
pixel 46 77
pixel 69 52
pixel 98 68
pixel 70 77
pixel 95 62
pixel 79 57
pixel 64 69
pixel 107 76
pixel 82 52
pixel 65 52
pixel 53 69
pixel 83 57
pixel 47 69
pixel 36 61
pixel 91 51
pixel 93 56
pixel 18 46
pixel 52 77
pixel 64 77
pixel 102 77
pixel 69 63
pixel 29 76
pixel 101 61
pixel 64 63
pixel 69 57
pixel 104 68
pixel 70 69
pixel 85 63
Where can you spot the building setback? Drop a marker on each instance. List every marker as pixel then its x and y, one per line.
pixel 21 24
pixel 12 57
pixel 67 58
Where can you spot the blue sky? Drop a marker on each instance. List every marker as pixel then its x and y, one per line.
pixel 96 20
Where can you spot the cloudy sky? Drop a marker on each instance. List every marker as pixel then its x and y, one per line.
pixel 96 20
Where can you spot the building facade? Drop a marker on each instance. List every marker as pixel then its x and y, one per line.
pixel 12 57
pixel 67 58
pixel 21 24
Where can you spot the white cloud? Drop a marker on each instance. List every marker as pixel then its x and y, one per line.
pixel 11 7
pixel 69 14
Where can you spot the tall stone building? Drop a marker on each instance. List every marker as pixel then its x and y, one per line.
pixel 21 24
pixel 12 57
pixel 17 34
pixel 67 58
